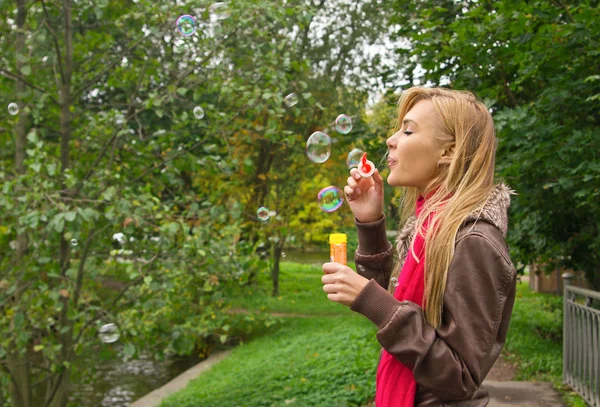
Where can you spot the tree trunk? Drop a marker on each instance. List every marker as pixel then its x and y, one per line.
pixel 18 364
pixel 275 270
pixel 277 250
pixel 57 395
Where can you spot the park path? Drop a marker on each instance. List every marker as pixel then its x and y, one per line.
pixel 504 392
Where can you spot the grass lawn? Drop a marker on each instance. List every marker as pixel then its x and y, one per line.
pixel 330 359
pixel 320 361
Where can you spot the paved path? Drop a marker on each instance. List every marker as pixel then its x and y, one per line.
pixel 507 394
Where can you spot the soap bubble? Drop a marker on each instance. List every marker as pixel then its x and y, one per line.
pixel 13 109
pixel 198 112
pixel 282 254
pixel 330 199
pixel 263 214
pixel 186 25
pixel 109 333
pixel 290 100
pixel 219 11
pixel 354 157
pixel 318 147
pixel 74 242
pixel 343 124
pixel 394 281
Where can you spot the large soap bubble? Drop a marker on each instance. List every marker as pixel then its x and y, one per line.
pixel 318 147
pixel 330 199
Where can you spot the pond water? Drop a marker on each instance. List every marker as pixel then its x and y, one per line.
pixel 114 382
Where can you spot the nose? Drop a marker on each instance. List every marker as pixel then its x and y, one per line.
pixel 392 141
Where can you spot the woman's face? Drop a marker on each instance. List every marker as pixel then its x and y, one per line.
pixel 414 149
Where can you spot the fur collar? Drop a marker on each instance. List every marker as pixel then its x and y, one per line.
pixel 495 211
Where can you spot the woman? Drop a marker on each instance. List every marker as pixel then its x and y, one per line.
pixel 443 309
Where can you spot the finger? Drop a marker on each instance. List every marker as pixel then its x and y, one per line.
pixel 331 267
pixel 378 181
pixel 354 173
pixel 349 193
pixel 351 182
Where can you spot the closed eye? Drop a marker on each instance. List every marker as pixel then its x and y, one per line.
pixel 408 133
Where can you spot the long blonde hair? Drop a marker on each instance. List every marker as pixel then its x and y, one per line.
pixel 462 122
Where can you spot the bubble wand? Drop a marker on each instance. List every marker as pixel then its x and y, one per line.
pixel 366 167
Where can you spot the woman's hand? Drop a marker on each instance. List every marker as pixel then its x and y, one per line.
pixel 341 283
pixel 365 196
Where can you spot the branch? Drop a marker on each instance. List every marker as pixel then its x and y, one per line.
pixel 107 68
pixel 19 78
pixel 54 37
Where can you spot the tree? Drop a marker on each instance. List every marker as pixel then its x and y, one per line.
pixel 533 63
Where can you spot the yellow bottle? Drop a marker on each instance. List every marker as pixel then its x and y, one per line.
pixel 337 248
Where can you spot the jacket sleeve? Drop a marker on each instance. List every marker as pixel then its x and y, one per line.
pixel 374 257
pixel 452 361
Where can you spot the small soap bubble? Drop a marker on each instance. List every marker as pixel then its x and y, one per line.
pixel 219 11
pixel 318 147
pixel 74 242
pixel 272 214
pixel 198 112
pixel 263 214
pixel 186 25
pixel 343 124
pixel 394 281
pixel 109 333
pixel 330 199
pixel 13 109
pixel 282 254
pixel 290 100
pixel 354 157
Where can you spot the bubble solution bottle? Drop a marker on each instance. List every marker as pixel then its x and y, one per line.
pixel 337 248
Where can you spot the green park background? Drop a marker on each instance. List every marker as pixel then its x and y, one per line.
pixel 105 142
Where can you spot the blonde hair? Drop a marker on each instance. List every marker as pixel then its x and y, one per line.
pixel 463 122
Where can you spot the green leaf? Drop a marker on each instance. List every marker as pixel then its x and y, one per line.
pixel 26 70
pixel 70 216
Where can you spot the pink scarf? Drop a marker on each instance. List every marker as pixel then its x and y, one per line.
pixel 396 385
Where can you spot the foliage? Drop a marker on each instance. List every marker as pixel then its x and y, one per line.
pixel 534 63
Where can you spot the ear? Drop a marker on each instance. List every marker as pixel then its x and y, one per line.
pixel 447 155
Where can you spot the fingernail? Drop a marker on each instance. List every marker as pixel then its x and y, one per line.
pixel 357 175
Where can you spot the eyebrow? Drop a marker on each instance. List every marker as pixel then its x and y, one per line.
pixel 409 120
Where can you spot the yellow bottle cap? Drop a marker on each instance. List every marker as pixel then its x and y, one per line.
pixel 337 238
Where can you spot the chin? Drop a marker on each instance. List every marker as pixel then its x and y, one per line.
pixel 394 181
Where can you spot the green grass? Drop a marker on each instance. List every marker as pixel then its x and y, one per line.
pixel 318 361
pixel 330 359
pixel 300 292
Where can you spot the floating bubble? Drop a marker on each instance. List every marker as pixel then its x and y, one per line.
pixel 318 147
pixel 330 199
pixel 13 108
pixel 343 124
pixel 74 242
pixel 394 281
pixel 263 214
pixel 198 112
pixel 186 25
pixel 282 254
pixel 290 100
pixel 109 333
pixel 354 157
pixel 219 11
pixel 272 213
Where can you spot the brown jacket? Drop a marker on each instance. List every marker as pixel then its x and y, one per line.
pixel 450 363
